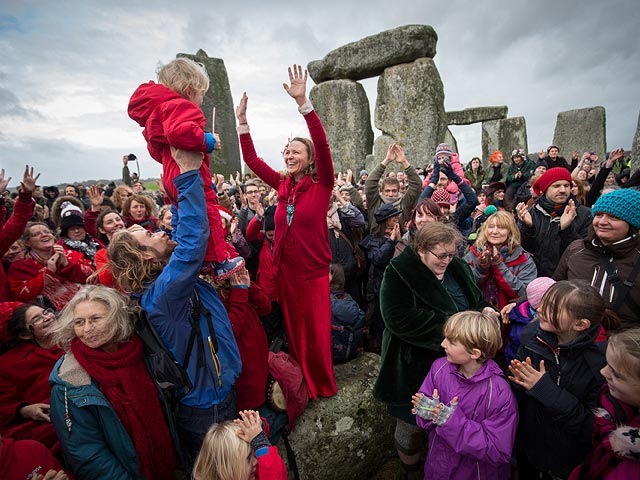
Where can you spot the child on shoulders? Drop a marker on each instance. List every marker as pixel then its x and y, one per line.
pixel 467 405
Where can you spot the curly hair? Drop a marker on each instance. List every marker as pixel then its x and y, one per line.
pixel 116 196
pixel 129 265
pixel 183 73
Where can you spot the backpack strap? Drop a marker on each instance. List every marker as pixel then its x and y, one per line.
pixel 622 287
pixel 199 308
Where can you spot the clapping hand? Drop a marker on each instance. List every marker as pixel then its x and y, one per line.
pixel 524 215
pixel 525 374
pixel 568 215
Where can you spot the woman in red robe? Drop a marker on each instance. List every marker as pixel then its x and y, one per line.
pixel 301 246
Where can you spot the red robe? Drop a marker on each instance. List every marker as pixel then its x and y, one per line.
pixel 24 380
pixel 12 231
pixel 302 258
pixel 245 306
pixel 171 120
pixel 29 278
pixel 266 275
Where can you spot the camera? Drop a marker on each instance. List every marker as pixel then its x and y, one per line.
pixel 132 157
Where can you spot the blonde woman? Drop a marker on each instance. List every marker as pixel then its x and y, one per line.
pixel 501 267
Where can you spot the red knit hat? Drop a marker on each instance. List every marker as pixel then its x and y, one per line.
pixel 6 310
pixel 551 176
pixel 442 198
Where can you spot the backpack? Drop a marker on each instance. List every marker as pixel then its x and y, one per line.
pixel 347 325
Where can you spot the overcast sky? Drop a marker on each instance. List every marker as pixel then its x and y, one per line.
pixel 68 68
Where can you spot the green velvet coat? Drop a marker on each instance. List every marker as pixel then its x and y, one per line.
pixel 415 306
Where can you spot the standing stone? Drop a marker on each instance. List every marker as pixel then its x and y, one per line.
pixel 451 140
pixel 227 160
pixel 635 149
pixel 347 436
pixel 476 115
pixel 505 135
pixel 410 111
pixel 582 130
pixel 369 56
pixel 343 107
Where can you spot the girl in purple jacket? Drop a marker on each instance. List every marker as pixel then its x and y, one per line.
pixel 466 404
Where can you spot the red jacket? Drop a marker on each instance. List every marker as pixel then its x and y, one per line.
pixel 271 466
pixel 20 459
pixel 29 278
pixel 24 380
pixel 266 275
pixel 245 306
pixel 12 231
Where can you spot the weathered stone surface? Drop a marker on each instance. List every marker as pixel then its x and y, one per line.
pixel 369 56
pixel 583 130
pixel 343 107
pixel 410 110
pixel 476 115
pixel 227 159
pixel 451 140
pixel 505 135
pixel 635 149
pixel 349 435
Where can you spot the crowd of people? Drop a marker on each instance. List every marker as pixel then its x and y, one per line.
pixel 502 299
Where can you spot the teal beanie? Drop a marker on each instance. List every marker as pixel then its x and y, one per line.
pixel 623 204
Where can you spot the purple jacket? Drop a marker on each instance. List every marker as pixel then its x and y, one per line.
pixel 477 439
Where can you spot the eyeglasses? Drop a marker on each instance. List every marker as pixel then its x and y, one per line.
pixel 40 318
pixel 252 192
pixel 443 256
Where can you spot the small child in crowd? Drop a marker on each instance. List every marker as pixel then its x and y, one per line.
pixel 616 438
pixel 239 450
pixel 171 116
pixel 557 368
pixel 472 414
pixel 525 311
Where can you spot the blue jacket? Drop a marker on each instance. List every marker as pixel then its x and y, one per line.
pixel 167 301
pixel 98 446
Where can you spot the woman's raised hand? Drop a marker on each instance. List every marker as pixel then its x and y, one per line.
pixel 241 109
pixel 298 84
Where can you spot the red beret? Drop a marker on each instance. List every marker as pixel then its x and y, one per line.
pixel 6 310
pixel 551 176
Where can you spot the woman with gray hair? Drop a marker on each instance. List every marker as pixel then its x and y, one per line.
pixel 103 400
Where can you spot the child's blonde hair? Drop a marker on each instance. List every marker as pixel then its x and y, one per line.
pixel 475 330
pixel 183 73
pixel 625 347
pixel 224 455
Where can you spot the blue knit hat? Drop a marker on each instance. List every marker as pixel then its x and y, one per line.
pixel 623 204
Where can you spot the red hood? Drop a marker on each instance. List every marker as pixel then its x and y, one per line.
pixel 145 100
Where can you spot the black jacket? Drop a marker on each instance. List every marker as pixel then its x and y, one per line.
pixel 556 415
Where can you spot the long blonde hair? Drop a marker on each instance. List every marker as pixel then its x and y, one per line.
pixel 224 455
pixel 502 219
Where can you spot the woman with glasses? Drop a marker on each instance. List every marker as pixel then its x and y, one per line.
pixel 24 373
pixel 421 288
pixel 46 268
pixel 105 406
pixel 501 267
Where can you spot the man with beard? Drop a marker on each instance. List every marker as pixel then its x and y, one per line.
pixel 554 221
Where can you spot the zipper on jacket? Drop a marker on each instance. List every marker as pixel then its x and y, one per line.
pixel 555 352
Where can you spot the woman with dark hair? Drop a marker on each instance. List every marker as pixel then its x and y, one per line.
pixel 426 211
pixel 496 196
pixel 609 257
pixel 475 174
pixel 140 210
pixel 421 288
pixel 103 399
pixel 74 235
pixel 47 269
pixel 24 373
pixel 301 246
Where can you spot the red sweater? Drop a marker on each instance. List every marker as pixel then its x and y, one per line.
pixel 304 244
pixel 245 306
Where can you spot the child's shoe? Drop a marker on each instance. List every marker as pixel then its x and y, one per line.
pixel 226 268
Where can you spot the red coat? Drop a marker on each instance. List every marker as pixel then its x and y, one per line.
pixel 271 466
pixel 245 306
pixel 29 278
pixel 24 380
pixel 302 256
pixel 20 459
pixel 12 231
pixel 266 275
pixel 171 120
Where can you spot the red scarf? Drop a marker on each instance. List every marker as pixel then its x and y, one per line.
pixel 125 381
